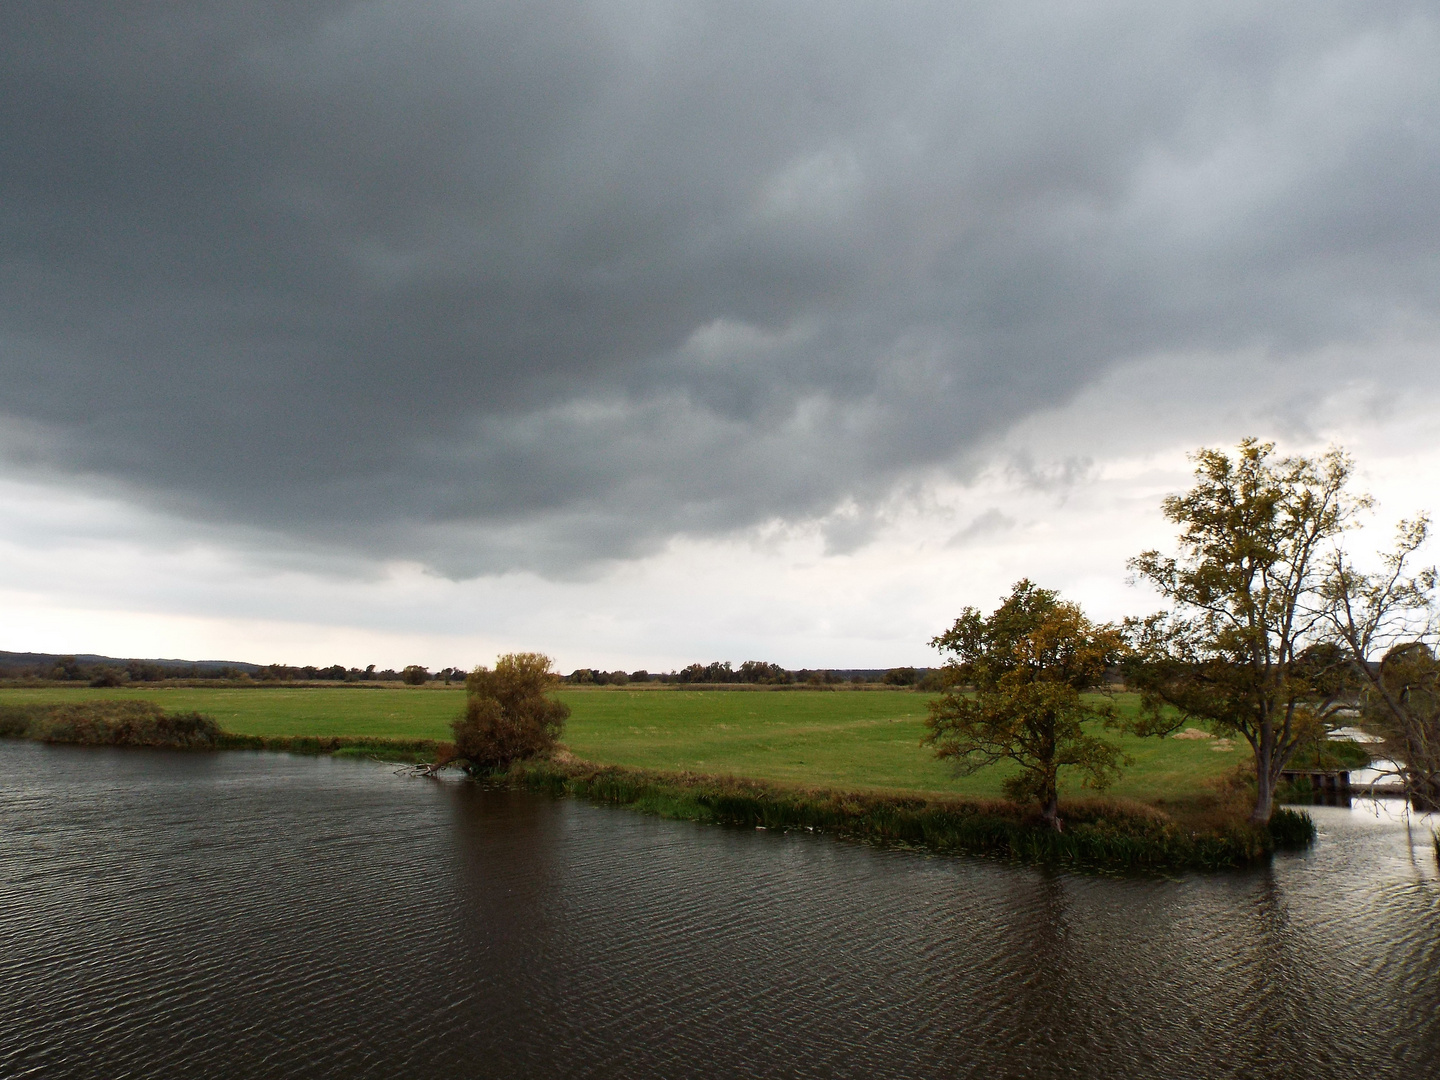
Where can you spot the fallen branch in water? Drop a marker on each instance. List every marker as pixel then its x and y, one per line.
pixel 429 769
pixel 444 757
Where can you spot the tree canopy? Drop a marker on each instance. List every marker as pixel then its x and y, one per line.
pixel 1386 638
pixel 1028 664
pixel 1248 589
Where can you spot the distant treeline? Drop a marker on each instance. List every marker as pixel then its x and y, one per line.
pixel 761 673
pixel 109 671
pixel 414 674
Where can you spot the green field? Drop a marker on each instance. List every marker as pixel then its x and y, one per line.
pixel 857 740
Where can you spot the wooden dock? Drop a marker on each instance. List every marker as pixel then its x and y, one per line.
pixel 1322 781
pixel 1335 783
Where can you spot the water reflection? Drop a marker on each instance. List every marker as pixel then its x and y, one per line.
pixel 259 915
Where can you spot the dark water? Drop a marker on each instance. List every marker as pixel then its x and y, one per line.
pixel 234 915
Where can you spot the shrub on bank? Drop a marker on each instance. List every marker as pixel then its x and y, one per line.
pixel 509 714
pixel 143 723
pixel 110 723
pixel 15 720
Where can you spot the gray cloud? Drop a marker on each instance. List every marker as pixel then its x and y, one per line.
pixel 496 286
pixel 990 523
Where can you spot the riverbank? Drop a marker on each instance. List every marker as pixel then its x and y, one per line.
pixel 838 739
pixel 1197 832
pixel 1104 834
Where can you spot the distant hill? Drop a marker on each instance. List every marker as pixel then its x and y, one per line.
pixel 13 660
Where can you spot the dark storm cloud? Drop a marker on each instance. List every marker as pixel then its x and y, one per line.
pixel 502 285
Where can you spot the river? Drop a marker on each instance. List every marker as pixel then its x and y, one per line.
pixel 259 915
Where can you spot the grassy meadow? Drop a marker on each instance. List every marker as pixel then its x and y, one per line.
pixel 847 739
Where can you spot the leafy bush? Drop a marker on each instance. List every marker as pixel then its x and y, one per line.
pixel 15 720
pixel 508 713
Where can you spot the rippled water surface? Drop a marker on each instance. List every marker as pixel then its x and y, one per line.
pixel 172 915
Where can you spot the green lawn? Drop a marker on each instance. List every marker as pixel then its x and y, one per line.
pixel 845 739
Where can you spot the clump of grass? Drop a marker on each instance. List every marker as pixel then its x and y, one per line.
pixel 1291 830
pixel 110 723
pixel 1107 834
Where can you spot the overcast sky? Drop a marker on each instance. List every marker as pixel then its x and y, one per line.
pixel 643 333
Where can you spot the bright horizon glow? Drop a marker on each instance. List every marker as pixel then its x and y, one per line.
pixel 84 575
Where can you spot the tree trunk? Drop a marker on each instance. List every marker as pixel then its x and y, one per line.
pixel 1264 798
pixel 1264 776
pixel 1050 810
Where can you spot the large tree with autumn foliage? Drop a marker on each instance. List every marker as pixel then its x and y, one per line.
pixel 1247 645
pixel 1017 683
